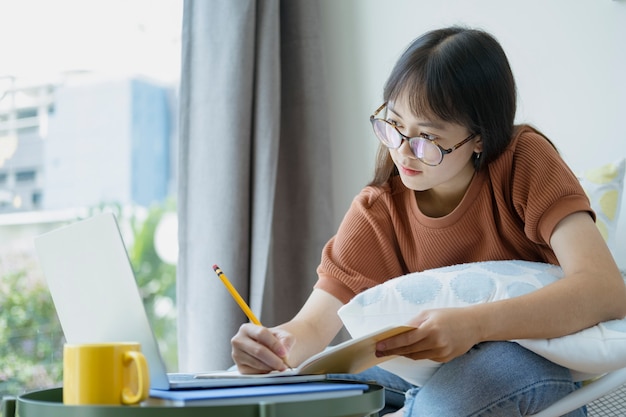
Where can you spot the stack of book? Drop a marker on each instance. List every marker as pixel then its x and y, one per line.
pixel 352 356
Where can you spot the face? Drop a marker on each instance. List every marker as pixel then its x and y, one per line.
pixel 456 169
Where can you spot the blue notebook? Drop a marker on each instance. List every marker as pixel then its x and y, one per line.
pixel 254 394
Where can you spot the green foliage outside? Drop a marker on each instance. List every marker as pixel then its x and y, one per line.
pixel 30 334
pixel 31 339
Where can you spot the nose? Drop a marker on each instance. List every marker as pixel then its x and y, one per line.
pixel 405 149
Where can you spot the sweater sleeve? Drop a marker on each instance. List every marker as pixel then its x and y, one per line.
pixel 364 252
pixel 544 189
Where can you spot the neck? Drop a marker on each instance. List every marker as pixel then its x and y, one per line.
pixel 442 200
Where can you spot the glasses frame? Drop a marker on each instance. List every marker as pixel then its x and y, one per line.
pixel 442 150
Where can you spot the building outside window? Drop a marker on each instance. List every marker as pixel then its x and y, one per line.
pixel 88 128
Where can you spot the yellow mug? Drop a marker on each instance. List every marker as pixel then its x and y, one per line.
pixel 104 373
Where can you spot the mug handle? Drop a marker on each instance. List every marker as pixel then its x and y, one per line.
pixel 143 378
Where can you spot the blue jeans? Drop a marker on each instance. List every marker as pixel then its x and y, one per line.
pixel 494 379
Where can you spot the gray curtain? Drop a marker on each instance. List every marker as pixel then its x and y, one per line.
pixel 254 192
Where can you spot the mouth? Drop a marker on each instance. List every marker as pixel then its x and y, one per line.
pixel 408 171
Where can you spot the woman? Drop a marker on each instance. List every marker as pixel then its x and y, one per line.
pixel 457 182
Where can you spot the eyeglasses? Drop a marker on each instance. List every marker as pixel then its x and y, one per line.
pixel 423 147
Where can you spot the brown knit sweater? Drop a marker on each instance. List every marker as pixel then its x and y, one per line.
pixel 509 211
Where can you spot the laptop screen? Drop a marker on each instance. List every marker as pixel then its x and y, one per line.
pixel 93 287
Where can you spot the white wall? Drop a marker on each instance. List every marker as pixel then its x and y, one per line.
pixel 568 57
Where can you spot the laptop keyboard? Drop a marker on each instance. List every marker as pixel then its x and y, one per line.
pixel 178 377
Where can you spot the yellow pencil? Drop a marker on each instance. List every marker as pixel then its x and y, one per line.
pixel 240 301
pixel 236 295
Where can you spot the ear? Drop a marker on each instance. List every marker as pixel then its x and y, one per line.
pixel 478 144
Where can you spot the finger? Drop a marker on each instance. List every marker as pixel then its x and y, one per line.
pixel 400 341
pixel 433 355
pixel 439 352
pixel 287 340
pixel 279 343
pixel 257 347
pixel 266 337
pixel 411 353
pixel 259 358
pixel 413 342
pixel 247 364
pixel 280 346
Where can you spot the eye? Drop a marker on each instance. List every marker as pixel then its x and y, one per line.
pixel 428 136
pixel 393 123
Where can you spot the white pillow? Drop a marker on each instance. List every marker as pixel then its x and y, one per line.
pixel 587 353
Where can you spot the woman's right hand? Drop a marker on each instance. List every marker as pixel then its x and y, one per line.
pixel 259 350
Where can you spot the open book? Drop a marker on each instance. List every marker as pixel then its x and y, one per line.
pixel 350 357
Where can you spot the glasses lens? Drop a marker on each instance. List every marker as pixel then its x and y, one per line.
pixel 386 133
pixel 426 151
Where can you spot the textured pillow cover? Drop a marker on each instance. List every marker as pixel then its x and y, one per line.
pixel 587 353
pixel 604 186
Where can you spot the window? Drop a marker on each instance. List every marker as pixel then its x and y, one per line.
pixel 99 152
pixel 25 176
pixel 27 113
pixel 36 199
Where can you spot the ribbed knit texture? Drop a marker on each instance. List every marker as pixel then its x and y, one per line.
pixel 508 212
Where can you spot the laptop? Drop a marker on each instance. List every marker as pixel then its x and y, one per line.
pixel 96 297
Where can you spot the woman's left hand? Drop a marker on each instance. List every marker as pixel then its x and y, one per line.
pixel 440 335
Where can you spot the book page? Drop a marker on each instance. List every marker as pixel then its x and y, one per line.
pixel 352 356
pixel 349 357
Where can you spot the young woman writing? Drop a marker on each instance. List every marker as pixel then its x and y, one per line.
pixel 456 182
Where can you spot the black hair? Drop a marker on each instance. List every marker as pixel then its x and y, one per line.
pixel 459 75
